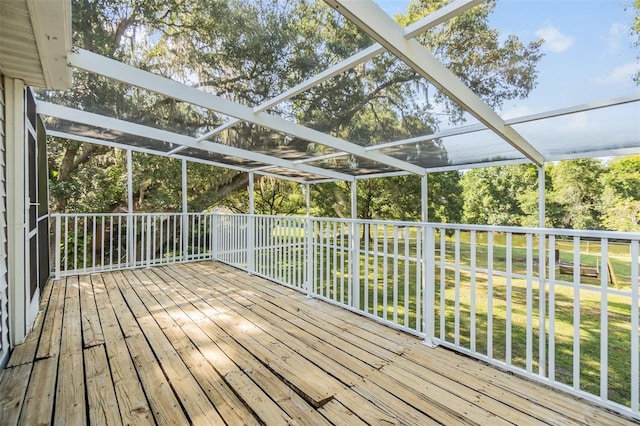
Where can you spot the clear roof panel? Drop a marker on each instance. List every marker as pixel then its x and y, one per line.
pixel 608 131
pixel 459 151
pixel 354 166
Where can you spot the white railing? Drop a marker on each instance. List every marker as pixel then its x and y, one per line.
pixel 558 306
pixel 86 243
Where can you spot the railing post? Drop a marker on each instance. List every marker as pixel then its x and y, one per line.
pixel 251 243
pixel 310 256
pixel 214 236
pixel 184 232
pixel 542 305
pixel 428 283
pixel 148 242
pixel 354 236
pixel 58 257
pixel 131 243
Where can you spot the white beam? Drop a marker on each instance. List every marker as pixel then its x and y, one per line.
pixel 139 78
pixel 92 119
pixel 439 16
pixel 377 24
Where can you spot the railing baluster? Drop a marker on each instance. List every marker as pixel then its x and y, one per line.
pixel 376 279
pixel 490 294
pixel 472 302
pixel 509 297
pixel 604 320
pixel 576 313
pixel 385 273
pixel 395 274
pixel 552 309
pixel 529 304
pixel 457 290
pixel 635 330
pixel 443 283
pixel 406 277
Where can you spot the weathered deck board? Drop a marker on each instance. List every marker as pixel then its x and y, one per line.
pixel 204 343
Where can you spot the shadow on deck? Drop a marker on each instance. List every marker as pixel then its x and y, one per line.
pixel 204 343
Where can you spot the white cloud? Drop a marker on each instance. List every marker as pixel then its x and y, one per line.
pixel 617 36
pixel 554 40
pixel 621 74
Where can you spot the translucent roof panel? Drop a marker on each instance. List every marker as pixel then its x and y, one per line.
pixel 614 130
pixel 353 165
pixel 107 135
pixel 294 174
pixel 456 152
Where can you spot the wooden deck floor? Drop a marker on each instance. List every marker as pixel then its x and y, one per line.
pixel 207 344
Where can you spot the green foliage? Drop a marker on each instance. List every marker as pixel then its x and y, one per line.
pixel 621 195
pixel 500 195
pixel 577 189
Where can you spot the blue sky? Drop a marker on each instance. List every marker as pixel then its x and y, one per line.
pixel 589 51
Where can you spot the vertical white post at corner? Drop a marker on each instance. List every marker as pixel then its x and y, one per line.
pixel 424 197
pixel 542 282
pixel 17 253
pixel 58 258
pixel 184 231
pixel 148 241
pixel 308 234
pixel 251 233
pixel 307 196
pixel 429 283
pixel 541 197
pixel 131 236
pixel 354 236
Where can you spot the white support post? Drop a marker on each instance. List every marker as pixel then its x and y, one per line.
pixel 355 248
pixel 58 258
pixel 17 255
pixel 131 242
pixel 542 282
pixel 307 194
pixel 251 234
pixel 425 198
pixel 541 197
pixel 184 232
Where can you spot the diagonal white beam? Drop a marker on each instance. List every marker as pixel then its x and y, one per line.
pixel 436 18
pixel 145 80
pixel 92 119
pixel 377 24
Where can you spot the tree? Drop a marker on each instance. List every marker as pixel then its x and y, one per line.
pixel 500 195
pixel 577 189
pixel 251 51
pixel 621 194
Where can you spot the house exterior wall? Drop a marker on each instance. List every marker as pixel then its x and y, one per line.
pixel 4 296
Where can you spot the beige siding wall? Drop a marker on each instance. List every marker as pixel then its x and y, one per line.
pixel 4 317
